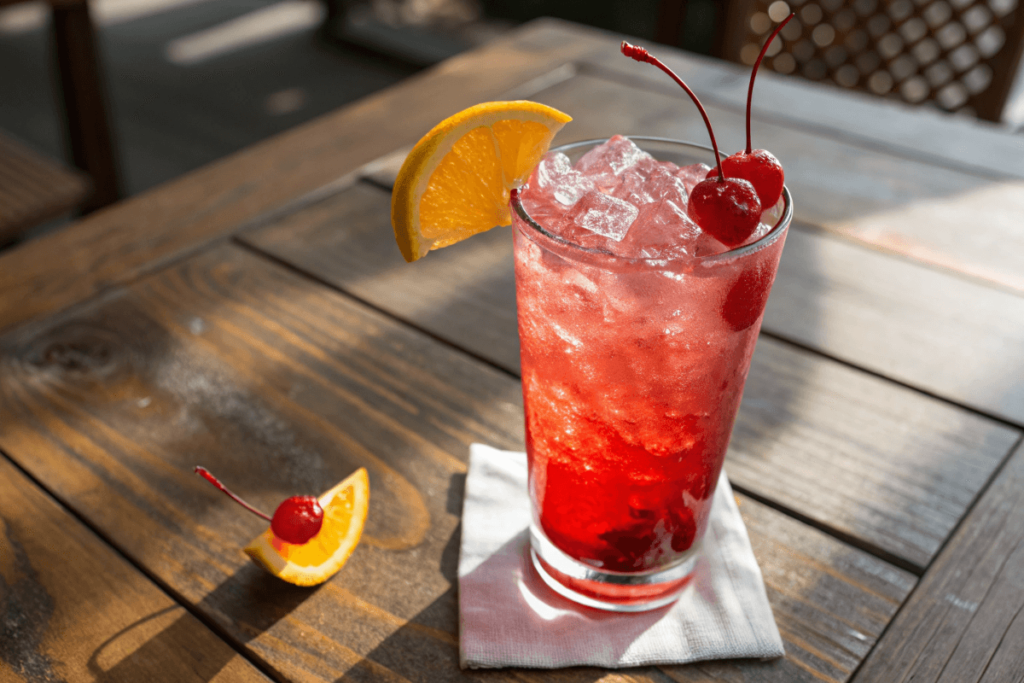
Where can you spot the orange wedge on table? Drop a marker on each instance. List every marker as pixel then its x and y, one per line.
pixel 319 558
pixel 455 183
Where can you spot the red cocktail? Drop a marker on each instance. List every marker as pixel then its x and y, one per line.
pixel 637 330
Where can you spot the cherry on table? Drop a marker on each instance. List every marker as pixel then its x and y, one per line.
pixel 295 521
pixel 726 208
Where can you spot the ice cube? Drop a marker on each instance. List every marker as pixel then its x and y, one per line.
pixel 604 163
pixel 646 164
pixel 662 231
pixel 550 169
pixel 556 176
pixel 667 216
pixel 623 153
pixel 706 245
pixel 604 215
pixel 572 188
pixel 691 175
pixel 543 208
pixel 631 188
pixel 663 184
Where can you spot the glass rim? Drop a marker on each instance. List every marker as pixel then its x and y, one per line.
pixel 737 252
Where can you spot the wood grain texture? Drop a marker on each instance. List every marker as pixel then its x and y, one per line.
pixel 909 207
pixel 871 460
pixel 151 229
pixel 946 335
pixel 870 308
pixel 900 129
pixel 905 206
pixel 464 293
pixel 877 311
pixel 966 620
pixel 279 386
pixel 72 609
pixel 858 599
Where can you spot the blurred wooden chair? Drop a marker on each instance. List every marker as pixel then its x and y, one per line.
pixel 34 189
pixel 958 55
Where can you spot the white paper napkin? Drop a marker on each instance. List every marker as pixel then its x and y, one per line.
pixel 509 617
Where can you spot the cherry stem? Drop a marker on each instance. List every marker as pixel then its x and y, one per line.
pixel 753 73
pixel 641 55
pixel 205 474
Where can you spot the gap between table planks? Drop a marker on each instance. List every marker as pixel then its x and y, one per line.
pixel 891 468
pixel 280 385
pixel 965 621
pixel 72 609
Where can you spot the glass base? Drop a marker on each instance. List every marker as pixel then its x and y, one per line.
pixel 607 590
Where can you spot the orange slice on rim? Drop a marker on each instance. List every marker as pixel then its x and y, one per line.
pixel 455 183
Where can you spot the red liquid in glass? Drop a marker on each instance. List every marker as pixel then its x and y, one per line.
pixel 632 373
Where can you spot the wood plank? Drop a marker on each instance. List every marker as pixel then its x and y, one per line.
pixel 72 609
pixel 863 478
pixel 912 132
pixel 937 332
pixel 280 386
pixel 853 602
pixel 964 622
pixel 347 240
pixel 908 207
pixel 157 227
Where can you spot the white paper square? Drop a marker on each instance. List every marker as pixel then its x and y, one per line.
pixel 509 617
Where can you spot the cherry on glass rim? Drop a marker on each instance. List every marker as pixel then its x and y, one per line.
pixel 726 208
pixel 759 166
pixel 731 206
pixel 295 521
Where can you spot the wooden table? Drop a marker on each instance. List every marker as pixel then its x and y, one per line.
pixel 255 317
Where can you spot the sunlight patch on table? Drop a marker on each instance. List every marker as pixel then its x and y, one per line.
pixel 940 231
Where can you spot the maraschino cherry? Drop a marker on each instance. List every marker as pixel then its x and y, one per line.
pixel 726 208
pixel 295 521
pixel 759 166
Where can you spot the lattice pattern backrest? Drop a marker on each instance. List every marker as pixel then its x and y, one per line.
pixel 959 55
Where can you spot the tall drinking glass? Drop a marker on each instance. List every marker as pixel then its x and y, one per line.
pixel 633 370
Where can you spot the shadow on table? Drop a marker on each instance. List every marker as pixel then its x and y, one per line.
pixel 404 653
pixel 233 599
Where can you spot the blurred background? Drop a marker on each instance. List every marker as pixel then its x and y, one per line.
pixel 137 92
